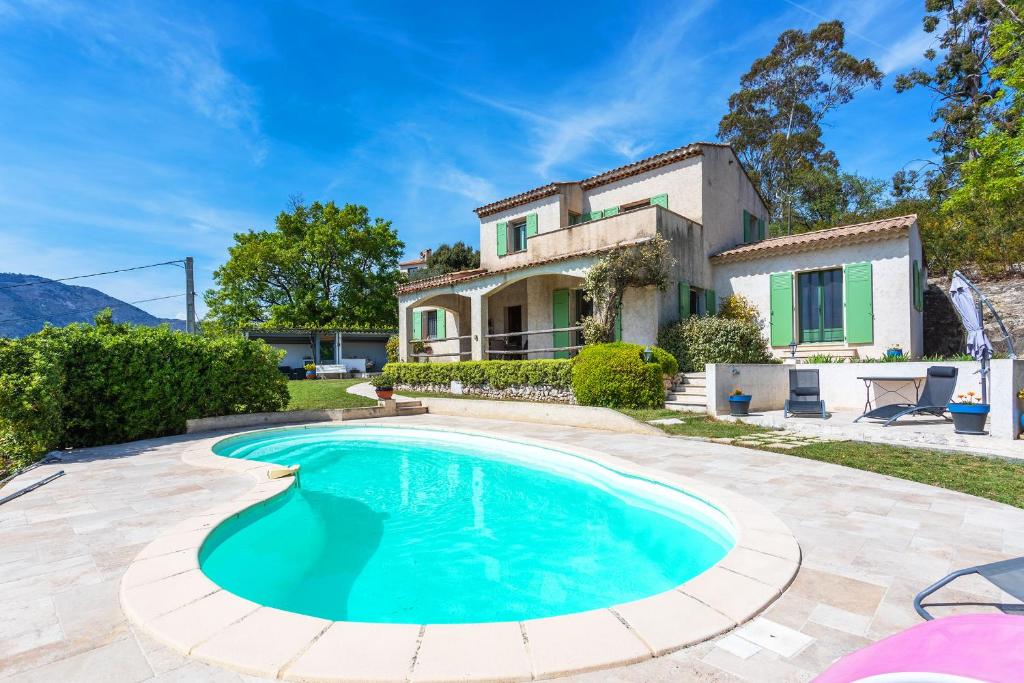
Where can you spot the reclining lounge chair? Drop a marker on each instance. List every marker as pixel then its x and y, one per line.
pixel 1007 575
pixel 939 385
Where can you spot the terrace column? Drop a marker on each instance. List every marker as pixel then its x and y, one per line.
pixel 478 325
pixel 404 332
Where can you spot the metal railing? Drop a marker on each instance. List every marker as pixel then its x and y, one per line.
pixel 528 351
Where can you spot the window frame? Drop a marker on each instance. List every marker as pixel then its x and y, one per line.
pixel 430 324
pixel 633 206
pixel 515 228
pixel 821 334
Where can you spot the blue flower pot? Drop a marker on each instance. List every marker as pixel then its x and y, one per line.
pixel 739 405
pixel 894 353
pixel 969 418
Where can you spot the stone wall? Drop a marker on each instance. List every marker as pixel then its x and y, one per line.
pixel 539 393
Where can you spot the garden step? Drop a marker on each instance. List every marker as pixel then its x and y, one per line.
pixel 411 410
pixel 689 390
pixel 688 407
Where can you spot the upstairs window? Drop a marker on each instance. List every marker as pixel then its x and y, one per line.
pixel 430 318
pixel 633 206
pixel 517 235
pixel 754 229
pixel 575 218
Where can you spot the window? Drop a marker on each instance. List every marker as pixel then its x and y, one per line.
pixel 517 235
pixel 431 320
pixel 326 349
pixel 575 218
pixel 633 206
pixel 820 299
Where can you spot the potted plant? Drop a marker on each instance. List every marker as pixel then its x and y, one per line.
pixel 894 351
pixel 739 403
pixel 383 387
pixel 969 414
pixel 1020 395
pixel 310 370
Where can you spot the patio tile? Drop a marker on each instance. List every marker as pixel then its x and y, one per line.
pixel 120 661
pixel 580 642
pixel 739 647
pixel 493 651
pixel 356 652
pixel 841 620
pixel 188 626
pixel 780 639
pixel 737 596
pixel 669 620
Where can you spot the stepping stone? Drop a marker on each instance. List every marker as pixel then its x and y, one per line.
pixel 666 421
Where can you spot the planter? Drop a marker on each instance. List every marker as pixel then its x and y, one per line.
pixel 894 353
pixel 969 418
pixel 739 405
pixel 310 374
pixel 384 393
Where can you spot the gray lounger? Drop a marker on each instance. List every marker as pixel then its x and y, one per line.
pixel 1007 575
pixel 939 385
pixel 804 394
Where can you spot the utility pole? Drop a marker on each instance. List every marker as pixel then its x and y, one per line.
pixel 190 297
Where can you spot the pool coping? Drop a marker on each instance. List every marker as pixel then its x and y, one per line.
pixel 165 594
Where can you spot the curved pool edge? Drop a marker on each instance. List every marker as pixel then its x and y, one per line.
pixel 165 593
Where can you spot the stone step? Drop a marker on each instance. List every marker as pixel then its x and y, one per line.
pixel 689 390
pixel 688 399
pixel 686 407
pixel 411 410
pixel 409 403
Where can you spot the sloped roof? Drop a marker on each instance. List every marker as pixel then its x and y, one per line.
pixel 634 168
pixel 463 275
pixel 886 228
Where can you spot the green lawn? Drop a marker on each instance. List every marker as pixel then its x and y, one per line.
pixel 324 393
pixel 695 424
pixel 991 478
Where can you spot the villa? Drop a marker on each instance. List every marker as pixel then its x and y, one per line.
pixel 853 290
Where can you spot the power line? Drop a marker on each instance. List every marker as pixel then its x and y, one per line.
pixel 90 310
pixel 79 277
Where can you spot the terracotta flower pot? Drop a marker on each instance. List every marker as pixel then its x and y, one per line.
pixel 384 393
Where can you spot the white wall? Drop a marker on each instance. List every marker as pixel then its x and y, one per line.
pixel 726 194
pixel 680 181
pixel 895 319
pixel 549 217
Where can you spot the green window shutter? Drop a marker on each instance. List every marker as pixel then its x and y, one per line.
pixel 660 200
pixel 440 323
pixel 918 288
pixel 531 225
pixel 560 318
pixel 746 227
pixel 502 239
pixel 611 212
pixel 618 325
pixel 684 300
pixel 417 325
pixel 859 305
pixel 594 215
pixel 710 305
pixel 760 229
pixel 781 285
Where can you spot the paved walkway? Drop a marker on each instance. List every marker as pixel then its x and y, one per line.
pixel 869 543
pixel 915 432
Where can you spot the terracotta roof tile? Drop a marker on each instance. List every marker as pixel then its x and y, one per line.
pixel 463 275
pixel 819 239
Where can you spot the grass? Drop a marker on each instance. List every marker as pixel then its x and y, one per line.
pixel 324 393
pixel 992 478
pixel 695 424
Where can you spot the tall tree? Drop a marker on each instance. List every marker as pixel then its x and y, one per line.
pixel 322 266
pixel 449 258
pixel 774 120
pixel 965 81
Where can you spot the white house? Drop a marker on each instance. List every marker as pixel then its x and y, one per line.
pixel 852 290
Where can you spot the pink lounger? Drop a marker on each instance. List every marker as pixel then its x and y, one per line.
pixel 957 649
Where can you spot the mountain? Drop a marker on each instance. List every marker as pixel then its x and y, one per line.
pixel 25 309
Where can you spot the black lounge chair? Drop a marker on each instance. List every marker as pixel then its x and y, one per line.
pixel 1007 575
pixel 939 385
pixel 804 394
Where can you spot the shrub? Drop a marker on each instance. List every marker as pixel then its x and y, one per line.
pixel 82 385
pixel 391 348
pixel 738 307
pixel 498 374
pixel 705 339
pixel 614 375
pixel 825 358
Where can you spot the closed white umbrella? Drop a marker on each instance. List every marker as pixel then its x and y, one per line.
pixel 978 344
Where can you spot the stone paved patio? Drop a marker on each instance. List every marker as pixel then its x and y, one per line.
pixel 869 544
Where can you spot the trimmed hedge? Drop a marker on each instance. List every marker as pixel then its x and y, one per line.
pixel 615 376
pixel 705 339
pixel 499 374
pixel 82 385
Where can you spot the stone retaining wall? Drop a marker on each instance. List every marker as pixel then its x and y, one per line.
pixel 540 393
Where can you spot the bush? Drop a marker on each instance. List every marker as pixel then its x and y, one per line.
pixel 82 385
pixel 705 339
pixel 391 348
pixel 498 374
pixel 615 376
pixel 738 307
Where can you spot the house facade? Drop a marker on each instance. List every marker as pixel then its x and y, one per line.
pixel 525 299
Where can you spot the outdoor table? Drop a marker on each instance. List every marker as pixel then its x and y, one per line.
pixel 903 381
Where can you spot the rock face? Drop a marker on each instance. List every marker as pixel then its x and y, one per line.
pixel 943 332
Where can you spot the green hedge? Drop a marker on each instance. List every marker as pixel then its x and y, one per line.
pixel 496 373
pixel 82 385
pixel 614 375
pixel 705 339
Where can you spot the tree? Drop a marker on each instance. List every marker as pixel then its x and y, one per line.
pixel 774 120
pixel 322 266
pixel 449 259
pixel 641 265
pixel 826 197
pixel 966 81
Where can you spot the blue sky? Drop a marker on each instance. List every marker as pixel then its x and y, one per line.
pixel 135 132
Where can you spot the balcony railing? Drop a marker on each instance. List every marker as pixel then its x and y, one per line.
pixel 527 351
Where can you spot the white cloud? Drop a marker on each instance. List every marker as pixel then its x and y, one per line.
pixel 906 52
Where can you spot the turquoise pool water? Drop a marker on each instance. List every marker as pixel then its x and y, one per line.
pixel 420 526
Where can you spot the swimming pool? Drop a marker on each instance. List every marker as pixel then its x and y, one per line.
pixel 421 526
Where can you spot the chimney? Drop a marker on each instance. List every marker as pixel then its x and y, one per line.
pixel 425 254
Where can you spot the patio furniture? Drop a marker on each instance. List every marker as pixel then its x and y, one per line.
pixel 964 648
pixel 804 394
pixel 939 385
pixel 880 391
pixel 331 369
pixel 1007 575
